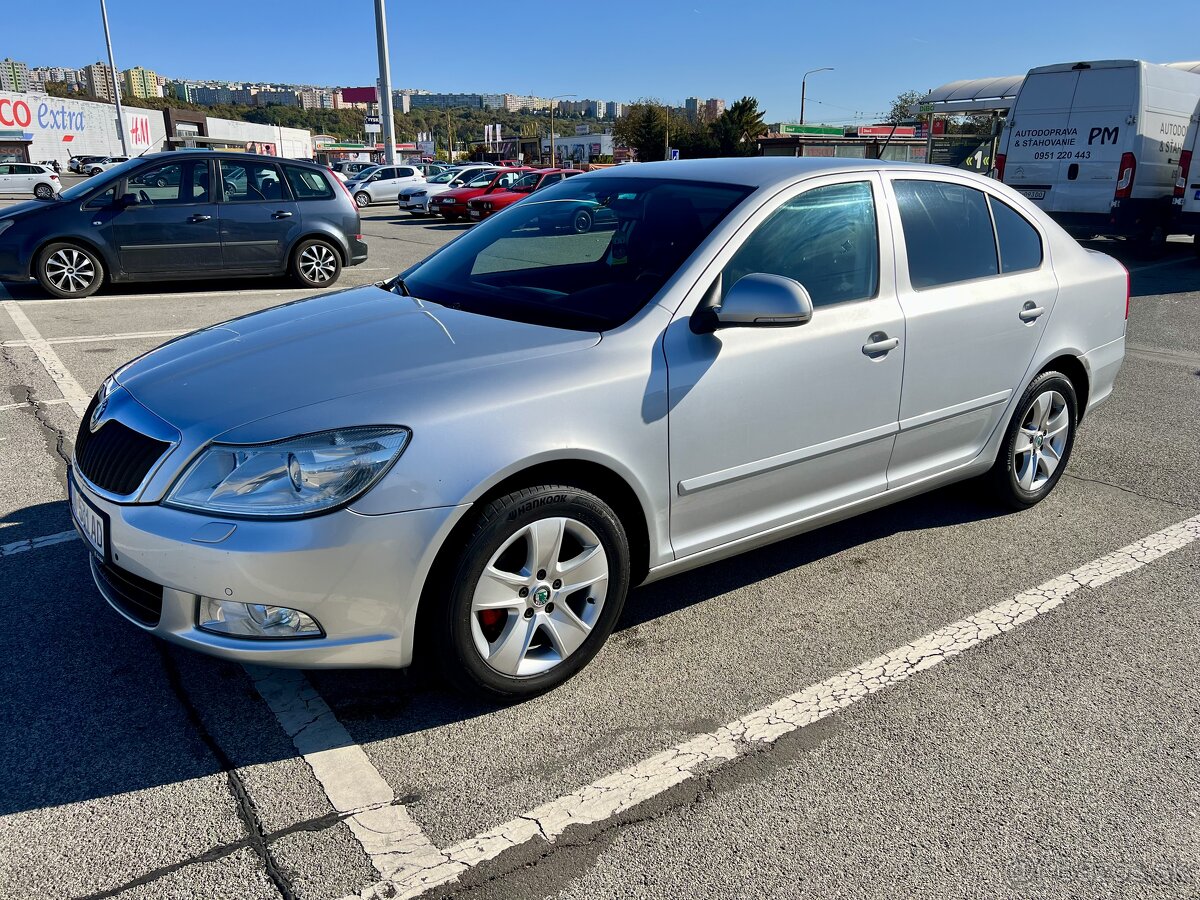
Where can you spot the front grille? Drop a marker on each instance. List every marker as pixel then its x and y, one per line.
pixel 115 458
pixel 137 597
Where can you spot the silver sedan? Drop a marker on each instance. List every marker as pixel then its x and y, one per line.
pixel 632 373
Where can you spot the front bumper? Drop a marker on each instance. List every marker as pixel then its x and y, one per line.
pixel 415 204
pixel 359 576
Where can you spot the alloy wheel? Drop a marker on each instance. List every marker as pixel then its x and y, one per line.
pixel 539 596
pixel 43 191
pixel 317 263
pixel 1041 440
pixel 70 270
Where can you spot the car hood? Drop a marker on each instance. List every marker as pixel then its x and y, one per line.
pixel 29 206
pixel 326 348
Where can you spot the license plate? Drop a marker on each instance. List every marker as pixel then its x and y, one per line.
pixel 475 214
pixel 91 524
pixel 1033 195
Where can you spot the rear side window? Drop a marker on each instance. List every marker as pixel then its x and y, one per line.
pixel 308 184
pixel 825 239
pixel 947 232
pixel 1020 244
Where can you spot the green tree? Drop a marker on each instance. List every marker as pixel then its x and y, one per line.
pixel 736 130
pixel 643 129
pixel 900 107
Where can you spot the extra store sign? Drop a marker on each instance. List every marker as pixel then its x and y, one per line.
pixel 59 127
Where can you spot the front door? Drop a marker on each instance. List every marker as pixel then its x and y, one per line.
pixel 174 226
pixel 771 426
pixel 258 216
pixel 976 297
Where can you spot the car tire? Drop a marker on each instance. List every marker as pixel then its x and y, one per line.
pixel 581 222
pixel 43 191
pixel 362 199
pixel 160 182
pixel 315 263
pixel 68 271
pixel 1037 443
pixel 95 172
pixel 512 634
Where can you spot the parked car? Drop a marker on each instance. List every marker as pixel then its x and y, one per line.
pixel 52 164
pixel 29 178
pixel 484 206
pixel 452 205
pixel 382 184
pixel 1097 144
pixel 416 198
pixel 350 168
pixel 79 164
pixel 266 216
pixel 1185 200
pixel 343 477
pixel 103 165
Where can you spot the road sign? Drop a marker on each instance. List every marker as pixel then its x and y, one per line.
pixel 674 153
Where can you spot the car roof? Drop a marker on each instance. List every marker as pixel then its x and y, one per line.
pixel 234 156
pixel 752 171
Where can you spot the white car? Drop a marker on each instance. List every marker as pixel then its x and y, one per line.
pixel 29 178
pixel 105 164
pixel 415 198
pixel 382 183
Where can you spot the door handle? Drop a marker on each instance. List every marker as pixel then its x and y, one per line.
pixel 281 214
pixel 1029 312
pixel 879 343
pixel 199 218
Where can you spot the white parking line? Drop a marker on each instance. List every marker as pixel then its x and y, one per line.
pixel 92 338
pixel 75 395
pixel 37 543
pixel 25 404
pixel 391 839
pixel 623 790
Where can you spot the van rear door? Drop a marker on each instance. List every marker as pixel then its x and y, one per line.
pixel 1038 133
pixel 1104 116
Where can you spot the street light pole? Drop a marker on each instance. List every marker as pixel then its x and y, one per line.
pixel 552 99
pixel 112 65
pixel 802 87
pixel 385 86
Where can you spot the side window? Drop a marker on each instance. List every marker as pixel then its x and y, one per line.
pixel 947 232
pixel 251 182
pixel 103 200
pixel 405 173
pixel 1020 244
pixel 826 239
pixel 6 169
pixel 307 184
pixel 162 184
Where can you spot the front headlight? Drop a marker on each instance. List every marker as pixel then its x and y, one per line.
pixel 294 477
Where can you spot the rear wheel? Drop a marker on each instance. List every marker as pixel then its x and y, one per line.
pixel 534 594
pixel 316 263
pixel 69 270
pixel 1038 442
pixel 43 192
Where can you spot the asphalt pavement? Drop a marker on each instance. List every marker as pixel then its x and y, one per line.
pixel 1055 757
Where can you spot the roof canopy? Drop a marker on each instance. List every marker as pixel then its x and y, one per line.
pixel 974 95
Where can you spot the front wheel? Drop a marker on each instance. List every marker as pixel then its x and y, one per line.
pixel 68 271
pixel 1038 442
pixel 535 592
pixel 362 199
pixel 316 264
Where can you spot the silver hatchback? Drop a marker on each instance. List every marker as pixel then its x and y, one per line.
pixel 632 373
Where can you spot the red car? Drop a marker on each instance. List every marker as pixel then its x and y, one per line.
pixel 452 205
pixel 483 206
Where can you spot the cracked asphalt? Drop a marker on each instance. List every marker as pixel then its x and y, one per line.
pixel 751 729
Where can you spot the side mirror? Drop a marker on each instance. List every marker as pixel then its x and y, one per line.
pixel 126 200
pixel 758 301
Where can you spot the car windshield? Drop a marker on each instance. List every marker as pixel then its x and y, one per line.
pixel 527 183
pixel 482 180
pixel 100 182
pixel 366 173
pixel 586 254
pixel 443 178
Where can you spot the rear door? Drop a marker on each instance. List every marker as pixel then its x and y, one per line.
pixel 1038 132
pixel 1103 117
pixel 173 229
pixel 258 216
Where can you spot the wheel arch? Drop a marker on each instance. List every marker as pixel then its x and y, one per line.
pixel 343 251
pixel 110 265
pixel 1076 372
pixel 589 475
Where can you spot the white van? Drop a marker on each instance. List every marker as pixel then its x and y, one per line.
pixel 1097 144
pixel 1187 186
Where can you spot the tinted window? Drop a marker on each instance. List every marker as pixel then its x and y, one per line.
pixel 307 184
pixel 586 253
pixel 1020 244
pixel 825 239
pixel 947 231
pixel 251 182
pixel 405 173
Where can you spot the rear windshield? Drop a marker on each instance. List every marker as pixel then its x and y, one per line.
pixel 586 254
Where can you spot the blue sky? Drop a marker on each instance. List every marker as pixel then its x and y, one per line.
pixel 656 48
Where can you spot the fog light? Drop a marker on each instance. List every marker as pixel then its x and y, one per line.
pixel 254 620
